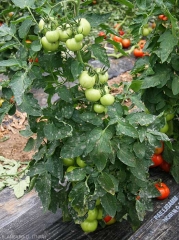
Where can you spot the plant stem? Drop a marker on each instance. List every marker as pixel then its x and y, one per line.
pixel 32 15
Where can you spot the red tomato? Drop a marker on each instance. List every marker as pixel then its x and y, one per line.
pixel 1 23
pixel 107 218
pixel 138 52
pixel 159 150
pixel 117 39
pixel 102 34
pixel 34 60
pixel 165 166
pixel 163 189
pixel 161 16
pixel 165 18
pixel 157 160
pixel 142 43
pixel 121 32
pixel 126 43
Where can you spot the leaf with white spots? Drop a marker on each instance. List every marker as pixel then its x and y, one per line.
pixel 109 203
pixel 141 118
pixel 106 182
pixel 126 128
pixel 139 171
pixel 77 174
pixel 126 157
pixel 92 118
pixel 43 187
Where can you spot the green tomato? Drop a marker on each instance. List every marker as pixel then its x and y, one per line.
pixel 89 226
pixel 70 168
pixel 92 94
pixel 84 27
pixel 165 128
pixel 106 89
pixel 41 24
pixel 98 108
pixel 145 31
pixel 68 161
pixel 73 45
pixel 65 34
pixel 1 102
pixel 52 36
pixel 49 46
pixel 85 80
pixel 103 77
pixel 100 213
pixel 92 214
pixel 79 37
pixel 107 99
pixel 80 162
pixel 98 202
pixel 169 116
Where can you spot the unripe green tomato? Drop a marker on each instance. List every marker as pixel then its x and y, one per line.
pixel 106 89
pixel 92 94
pixel 169 116
pixel 107 99
pixel 103 78
pixel 41 24
pixel 85 80
pixel 73 45
pixel 89 226
pixel 79 37
pixel 80 162
pixel 68 161
pixel 98 108
pixel 49 46
pixel 165 128
pixel 145 31
pixel 70 168
pixel 84 27
pixel 98 202
pixel 92 214
pixel 100 213
pixel 65 34
pixel 1 102
pixel 52 36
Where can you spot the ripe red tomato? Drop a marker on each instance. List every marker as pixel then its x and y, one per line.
pixel 138 52
pixel 163 189
pixel 126 43
pixel 34 60
pixel 161 16
pixel 159 150
pixel 157 159
pixel 117 39
pixel 142 43
pixel 165 18
pixel 102 34
pixel 1 23
pixel 165 166
pixel 107 218
pixel 121 32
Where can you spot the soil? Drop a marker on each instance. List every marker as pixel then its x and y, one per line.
pixel 12 143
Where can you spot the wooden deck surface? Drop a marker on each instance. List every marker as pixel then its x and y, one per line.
pixel 25 219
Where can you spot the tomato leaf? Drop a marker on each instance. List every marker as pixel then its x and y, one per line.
pixel 126 129
pixel 140 208
pixel 20 187
pixel 76 69
pixel 74 147
pixel 100 53
pixel 43 187
pixel 125 2
pixel 64 94
pixel 126 157
pixel 106 182
pixel 30 104
pixel 25 27
pixel 167 43
pixel 36 46
pixel 139 149
pixel 109 203
pixel 175 85
pixel 115 110
pixel 96 19
pixel 99 159
pixel 38 168
pixel 141 118
pixel 54 165
pixel 77 174
pixel 54 133
pixel 23 3
pixel 140 170
pixel 29 145
pixel 92 118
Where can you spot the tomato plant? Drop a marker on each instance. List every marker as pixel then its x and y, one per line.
pixel 88 142
pixel 163 189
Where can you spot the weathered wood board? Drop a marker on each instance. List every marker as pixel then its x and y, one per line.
pixel 25 219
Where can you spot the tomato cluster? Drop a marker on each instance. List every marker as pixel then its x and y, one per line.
pixel 125 42
pixel 158 160
pixel 96 90
pixel 71 35
pixel 138 52
pixel 163 17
